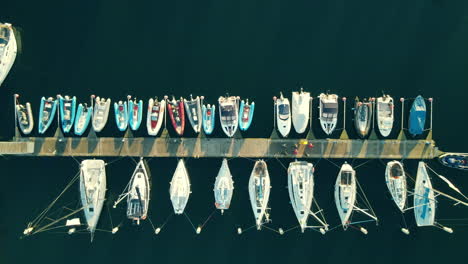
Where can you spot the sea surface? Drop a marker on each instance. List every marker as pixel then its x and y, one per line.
pixel 253 49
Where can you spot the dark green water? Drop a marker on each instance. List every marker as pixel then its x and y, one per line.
pixel 252 49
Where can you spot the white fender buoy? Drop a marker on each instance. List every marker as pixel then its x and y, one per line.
pixel 115 229
pixel 322 231
pixel 157 230
pixel 448 229
pixel 405 231
pixel 28 231
pixel 198 230
pixel 363 230
pixel 239 230
pixel 281 231
pixel 71 231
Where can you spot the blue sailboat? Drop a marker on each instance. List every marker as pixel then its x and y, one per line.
pixel 67 107
pixel 208 118
pixel 83 117
pixel 121 115
pixel 135 113
pixel 417 117
pixel 246 112
pixel 46 113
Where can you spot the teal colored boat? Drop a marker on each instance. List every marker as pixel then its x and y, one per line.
pixel 83 117
pixel 208 118
pixel 246 112
pixel 67 106
pixel 121 115
pixel 46 113
pixel 135 112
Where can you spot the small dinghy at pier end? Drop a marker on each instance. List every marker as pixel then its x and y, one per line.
pixel 24 116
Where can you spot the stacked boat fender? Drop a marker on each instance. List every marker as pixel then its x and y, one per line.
pixel 67 106
pixel 385 114
pixel 180 188
pixel 46 113
pixel 194 112
pixel 345 193
pixel 121 115
pixel 83 117
pixel 24 116
pixel 229 114
pixel 300 110
pixel 328 112
pixel 259 192
pixel 175 109
pixel 209 113
pixel 283 115
pixel 100 113
pixel 155 116
pixel 223 187
pixel 8 49
pixel 246 112
pixel 417 117
pixel 135 112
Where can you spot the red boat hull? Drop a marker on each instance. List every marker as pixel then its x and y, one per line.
pixel 177 116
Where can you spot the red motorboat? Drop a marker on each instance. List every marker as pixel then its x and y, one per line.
pixel 175 109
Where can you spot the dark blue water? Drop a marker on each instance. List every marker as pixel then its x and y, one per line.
pixel 252 49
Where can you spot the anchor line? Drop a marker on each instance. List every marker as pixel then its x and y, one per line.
pixel 190 221
pixel 365 197
pixel 282 165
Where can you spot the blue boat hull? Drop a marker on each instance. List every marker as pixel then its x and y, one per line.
pixel 244 125
pixel 208 121
pixel 417 118
pixel 121 117
pixel 86 116
pixel 67 124
pixel 44 125
pixel 135 124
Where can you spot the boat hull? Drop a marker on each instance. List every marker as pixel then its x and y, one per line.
pixel 259 191
pixel 25 118
pixel 180 188
pixel 135 111
pixel 246 115
pixel 328 112
pixel 155 116
pixel 362 117
pixel 194 113
pixel 395 179
pixel 83 117
pixel 223 187
pixel 100 113
pixel 67 113
pixel 9 51
pixel 455 160
pixel 176 112
pixel 300 111
pixel 417 117
pixel 139 193
pixel 424 199
pixel 385 115
pixel 228 114
pixel 121 115
pixel 209 113
pixel 301 190
pixel 283 116
pixel 46 114
pixel 345 193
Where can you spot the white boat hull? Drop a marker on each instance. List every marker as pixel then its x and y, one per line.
pixel 139 193
pixel 7 52
pixel 424 199
pixel 223 187
pixel 229 114
pixel 328 116
pixel 283 116
pixel 301 190
pixel 345 193
pixel 395 179
pixel 100 113
pixel 385 115
pixel 300 111
pixel 259 191
pixel 153 131
pixel 180 188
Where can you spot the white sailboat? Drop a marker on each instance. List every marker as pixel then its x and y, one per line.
pixel 385 115
pixel 137 193
pixel 101 113
pixel 259 192
pixel 180 188
pixel 300 110
pixel 328 112
pixel 223 187
pixel 283 115
pixel 8 50
pixel 345 193
pixel 424 199
pixel 395 179
pixel 92 191
pixel 229 114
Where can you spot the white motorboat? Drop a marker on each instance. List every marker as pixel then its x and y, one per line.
pixel 180 188
pixel 259 192
pixel 345 193
pixel 228 114
pixel 8 50
pixel 101 113
pixel 385 115
pixel 223 187
pixel 424 199
pixel 300 110
pixel 328 112
pixel 92 191
pixel 194 113
pixel 155 116
pixel 301 190
pixel 395 178
pixel 283 115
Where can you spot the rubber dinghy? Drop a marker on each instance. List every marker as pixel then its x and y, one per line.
pixel 46 113
pixel 121 115
pixel 67 106
pixel 194 113
pixel 229 114
pixel 208 118
pixel 155 116
pixel 223 187
pixel 180 188
pixel 417 118
pixel 246 112
pixel 385 115
pixel 8 50
pixel 83 117
pixel 259 192
pixel 395 179
pixel 301 190
pixel 362 116
pixel 175 109
pixel 328 112
pixel 24 116
pixel 300 110
pixel 283 115
pixel 101 113
pixel 345 193
pixel 135 111
pixel 92 191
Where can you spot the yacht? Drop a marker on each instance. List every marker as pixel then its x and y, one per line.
pixel 209 112
pixel 101 113
pixel 83 116
pixel 46 113
pixel 385 115
pixel 246 114
pixel 259 192
pixel 24 116
pixel 135 113
pixel 176 111
pixel 424 199
pixel 396 182
pixel 155 116
pixel 417 117
pixel 283 115
pixel 67 106
pixel 223 187
pixel 362 116
pixel 228 114
pixel 121 115
pixel 300 110
pixel 328 112
pixel 8 50
pixel 345 193
pixel 180 188
pixel 139 193
pixel 92 191
pixel 194 113
pixel 301 190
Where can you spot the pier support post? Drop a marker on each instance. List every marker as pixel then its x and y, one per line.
pixel 373 134
pixel 310 135
pixel 401 135
pixel 429 135
pixel 344 134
